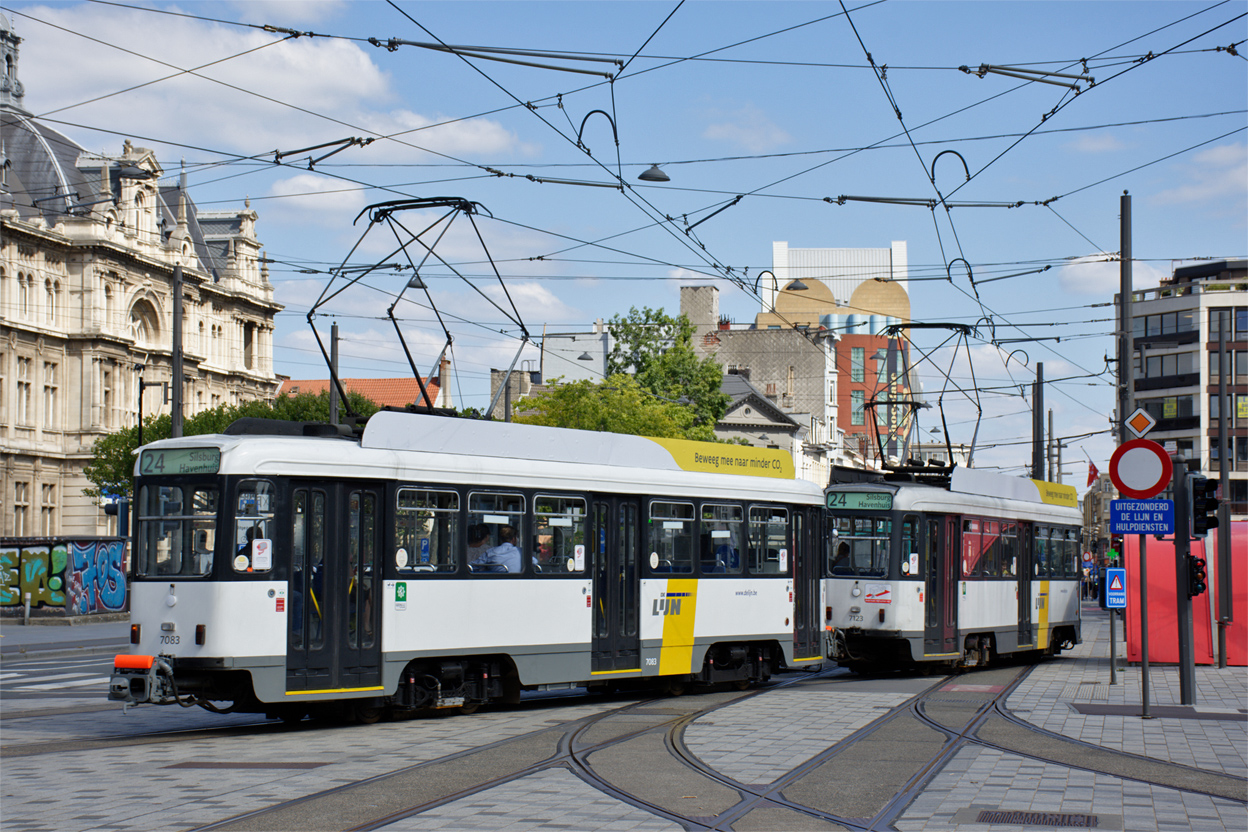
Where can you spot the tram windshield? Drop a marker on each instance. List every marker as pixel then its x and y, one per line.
pixel 858 546
pixel 177 530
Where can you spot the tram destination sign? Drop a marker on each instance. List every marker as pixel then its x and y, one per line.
pixel 179 461
pixel 860 500
pixel 1141 516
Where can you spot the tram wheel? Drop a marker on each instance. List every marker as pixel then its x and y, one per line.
pixel 676 688
pixel 367 714
pixel 469 707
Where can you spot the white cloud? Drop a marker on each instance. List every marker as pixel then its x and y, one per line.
pixel 747 127
pixel 1096 143
pixel 310 197
pixel 1098 274
pixel 535 303
pixel 289 13
pixel 1213 174
pixel 236 102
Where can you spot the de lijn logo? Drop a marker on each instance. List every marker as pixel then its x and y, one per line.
pixel 669 604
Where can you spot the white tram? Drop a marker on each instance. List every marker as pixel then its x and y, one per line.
pixel 283 573
pixel 951 574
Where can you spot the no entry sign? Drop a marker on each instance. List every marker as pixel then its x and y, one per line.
pixel 1140 468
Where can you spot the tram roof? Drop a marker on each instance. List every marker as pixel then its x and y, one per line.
pixel 973 490
pixel 418 447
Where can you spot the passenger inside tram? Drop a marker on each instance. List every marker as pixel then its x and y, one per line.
pixel 505 557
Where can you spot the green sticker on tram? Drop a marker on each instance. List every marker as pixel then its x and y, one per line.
pixel 400 591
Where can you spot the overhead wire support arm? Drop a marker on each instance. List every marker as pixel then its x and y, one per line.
pixel 491 53
pixel 921 202
pixel 1038 75
pixel 720 210
pixel 279 155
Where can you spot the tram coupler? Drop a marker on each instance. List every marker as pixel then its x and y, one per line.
pixel 140 679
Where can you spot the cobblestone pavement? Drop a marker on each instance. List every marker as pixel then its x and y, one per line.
pixel 766 737
pixel 202 779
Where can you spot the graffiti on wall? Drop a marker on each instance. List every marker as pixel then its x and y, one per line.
pixel 98 580
pixel 79 577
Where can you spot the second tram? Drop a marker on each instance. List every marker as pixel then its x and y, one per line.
pixel 951 574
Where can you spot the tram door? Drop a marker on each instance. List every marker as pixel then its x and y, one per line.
pixel 806 558
pixel 1025 544
pixel 940 633
pixel 334 638
pixel 616 643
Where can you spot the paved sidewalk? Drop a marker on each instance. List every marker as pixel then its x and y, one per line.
pixel 986 779
pixel 63 637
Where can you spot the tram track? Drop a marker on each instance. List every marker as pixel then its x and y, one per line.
pixel 636 754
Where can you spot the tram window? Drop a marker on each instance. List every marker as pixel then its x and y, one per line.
pixel 721 537
pixel 911 547
pixel 1070 554
pixel 559 543
pixel 990 560
pixel 769 540
pixel 498 513
pixel 307 572
pixel 1009 549
pixel 177 530
pixel 426 534
pixel 972 548
pixel 1044 563
pixel 868 543
pixel 253 518
pixel 671 537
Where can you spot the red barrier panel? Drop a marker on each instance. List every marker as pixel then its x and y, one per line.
pixel 1163 619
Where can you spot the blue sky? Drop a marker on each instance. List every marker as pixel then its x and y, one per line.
pixel 776 102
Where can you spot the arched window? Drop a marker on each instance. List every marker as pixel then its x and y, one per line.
pixel 50 289
pixel 108 305
pixel 23 294
pixel 144 324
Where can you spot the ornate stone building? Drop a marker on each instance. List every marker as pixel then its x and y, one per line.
pixel 88 248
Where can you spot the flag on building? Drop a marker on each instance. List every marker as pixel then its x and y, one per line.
pixel 1092 472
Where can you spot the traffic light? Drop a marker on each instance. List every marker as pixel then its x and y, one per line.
pixel 1197 576
pixel 1204 505
pixel 121 510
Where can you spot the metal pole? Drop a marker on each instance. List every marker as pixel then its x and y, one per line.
pixel 1182 550
pixel 1126 349
pixel 1037 426
pixel 333 387
pixel 140 406
pixel 1225 457
pixel 177 382
pixel 1144 713
pixel 1113 642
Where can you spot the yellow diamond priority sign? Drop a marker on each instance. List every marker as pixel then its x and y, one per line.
pixel 1140 422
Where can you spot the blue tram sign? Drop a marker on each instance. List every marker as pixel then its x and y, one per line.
pixel 1115 589
pixel 1141 516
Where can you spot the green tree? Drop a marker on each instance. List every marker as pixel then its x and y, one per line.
pixel 112 464
pixel 617 404
pixel 658 350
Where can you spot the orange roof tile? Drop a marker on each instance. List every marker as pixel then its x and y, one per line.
pixel 387 392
